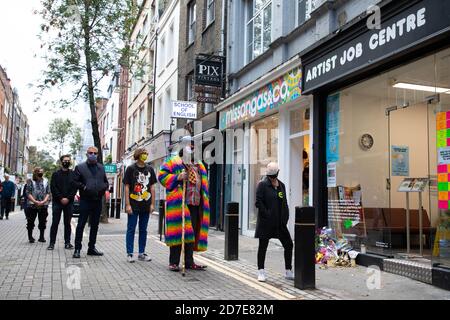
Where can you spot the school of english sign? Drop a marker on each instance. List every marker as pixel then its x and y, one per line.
pixel 269 98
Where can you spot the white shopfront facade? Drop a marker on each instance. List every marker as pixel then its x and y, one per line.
pixel 268 121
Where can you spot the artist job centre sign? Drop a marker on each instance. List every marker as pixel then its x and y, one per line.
pixel 423 20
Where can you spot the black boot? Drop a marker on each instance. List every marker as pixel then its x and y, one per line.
pixel 30 236
pixel 41 238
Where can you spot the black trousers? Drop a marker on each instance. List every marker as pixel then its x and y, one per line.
pixel 41 214
pixel 5 206
pixel 175 251
pixel 58 208
pixel 286 241
pixel 91 209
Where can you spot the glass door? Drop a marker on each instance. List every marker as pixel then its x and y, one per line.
pixel 410 210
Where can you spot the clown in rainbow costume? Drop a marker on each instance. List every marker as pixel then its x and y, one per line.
pixel 169 176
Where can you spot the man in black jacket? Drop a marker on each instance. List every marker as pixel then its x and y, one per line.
pixel 90 179
pixel 63 193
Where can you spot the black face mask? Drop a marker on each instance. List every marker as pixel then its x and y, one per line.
pixel 273 176
pixel 66 164
pixel 40 175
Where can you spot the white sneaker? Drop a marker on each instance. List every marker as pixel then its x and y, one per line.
pixel 261 275
pixel 130 258
pixel 289 275
pixel 144 257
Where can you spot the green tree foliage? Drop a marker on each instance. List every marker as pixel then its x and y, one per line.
pixel 63 134
pixel 42 159
pixel 84 41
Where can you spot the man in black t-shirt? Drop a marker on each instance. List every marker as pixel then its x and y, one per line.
pixel 139 181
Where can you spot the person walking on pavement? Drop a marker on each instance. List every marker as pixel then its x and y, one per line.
pixel 38 193
pixel 175 169
pixel 90 178
pixel 139 181
pixel 273 216
pixel 8 191
pixel 63 190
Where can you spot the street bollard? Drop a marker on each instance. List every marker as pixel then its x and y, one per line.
pixel 118 207
pixel 162 213
pixel 232 231
pixel 305 230
pixel 113 208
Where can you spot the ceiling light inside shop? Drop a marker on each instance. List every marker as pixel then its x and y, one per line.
pixel 418 87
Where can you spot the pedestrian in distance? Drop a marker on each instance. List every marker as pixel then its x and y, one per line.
pixel 38 193
pixel 8 191
pixel 176 169
pixel 63 190
pixel 90 179
pixel 139 181
pixel 273 216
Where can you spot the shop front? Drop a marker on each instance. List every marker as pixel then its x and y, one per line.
pixel 271 123
pixel 382 107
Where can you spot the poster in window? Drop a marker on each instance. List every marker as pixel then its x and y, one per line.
pixel 332 137
pixel 400 161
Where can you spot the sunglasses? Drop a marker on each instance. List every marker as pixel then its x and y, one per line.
pixel 92 152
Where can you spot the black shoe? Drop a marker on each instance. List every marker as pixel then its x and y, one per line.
pixel 68 246
pixel 1 218
pixel 94 252
pixel 42 240
pixel 51 246
pixel 76 254
pixel 7 218
pixel 31 240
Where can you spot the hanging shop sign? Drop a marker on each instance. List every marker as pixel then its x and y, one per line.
pixel 269 98
pixel 424 20
pixel 209 70
pixel 184 109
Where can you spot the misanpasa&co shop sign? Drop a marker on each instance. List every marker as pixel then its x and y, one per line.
pixel 272 96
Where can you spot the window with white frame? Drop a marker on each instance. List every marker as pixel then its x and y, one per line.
pixel 141 123
pixel 259 27
pixel 192 21
pixel 134 128
pixel 189 87
pixel 112 114
pixel 304 9
pixel 129 132
pixel 162 53
pixel 170 42
pixel 210 11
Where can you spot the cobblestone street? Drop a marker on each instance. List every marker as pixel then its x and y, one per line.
pixel 30 271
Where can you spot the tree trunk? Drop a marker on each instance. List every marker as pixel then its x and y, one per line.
pixel 92 107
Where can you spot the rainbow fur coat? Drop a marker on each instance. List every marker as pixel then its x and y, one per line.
pixel 167 175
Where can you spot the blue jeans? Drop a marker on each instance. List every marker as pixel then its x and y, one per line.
pixel 131 228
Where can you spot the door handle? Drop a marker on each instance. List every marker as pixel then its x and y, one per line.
pixel 388 184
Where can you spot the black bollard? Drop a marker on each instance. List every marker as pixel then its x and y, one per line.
pixel 118 207
pixel 305 230
pixel 113 207
pixel 232 231
pixel 162 213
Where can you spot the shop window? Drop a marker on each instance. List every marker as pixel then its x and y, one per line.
pixel 264 142
pixel 385 137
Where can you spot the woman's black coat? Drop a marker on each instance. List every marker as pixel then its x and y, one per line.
pixel 269 224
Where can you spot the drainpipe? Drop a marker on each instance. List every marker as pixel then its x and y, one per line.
pixel 154 81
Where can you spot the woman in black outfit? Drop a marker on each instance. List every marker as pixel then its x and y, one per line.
pixel 273 216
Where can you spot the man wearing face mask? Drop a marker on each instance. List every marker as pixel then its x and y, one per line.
pixel 63 193
pixel 38 193
pixel 273 216
pixel 139 181
pixel 90 178
pixel 176 169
